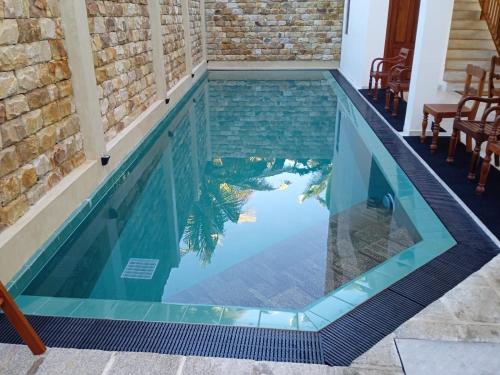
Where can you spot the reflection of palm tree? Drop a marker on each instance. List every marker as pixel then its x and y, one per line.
pixel 319 183
pixel 225 188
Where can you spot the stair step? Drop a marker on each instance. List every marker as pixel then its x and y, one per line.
pixel 462 64
pixel 467 15
pixel 466 5
pixel 473 44
pixel 470 34
pixel 464 54
pixel 469 25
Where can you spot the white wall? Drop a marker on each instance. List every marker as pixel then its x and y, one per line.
pixel 365 40
pixel 429 59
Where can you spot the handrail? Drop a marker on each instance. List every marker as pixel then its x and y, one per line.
pixel 490 11
pixel 20 323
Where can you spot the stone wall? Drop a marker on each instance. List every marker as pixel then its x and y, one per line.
pixel 40 139
pixel 282 119
pixel 195 31
pixel 123 60
pixel 174 46
pixel 278 30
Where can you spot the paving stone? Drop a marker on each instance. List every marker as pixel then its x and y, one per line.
pixel 17 359
pixel 74 362
pixel 366 371
pixel 383 354
pixel 213 366
pixel 427 330
pixel 276 368
pixel 431 357
pixel 143 363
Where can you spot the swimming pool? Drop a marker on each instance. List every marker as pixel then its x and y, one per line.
pixel 265 203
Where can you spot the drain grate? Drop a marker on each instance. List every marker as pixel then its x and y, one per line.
pixel 140 269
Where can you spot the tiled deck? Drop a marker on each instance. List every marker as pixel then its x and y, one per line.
pixel 465 321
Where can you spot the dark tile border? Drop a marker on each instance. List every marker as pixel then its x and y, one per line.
pixel 336 345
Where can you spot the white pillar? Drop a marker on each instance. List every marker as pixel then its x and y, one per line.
pixel 81 62
pixel 156 41
pixel 365 39
pixel 429 60
pixel 187 36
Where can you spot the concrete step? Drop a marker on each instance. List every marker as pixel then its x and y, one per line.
pixel 469 25
pixel 470 34
pixel 472 44
pixel 467 15
pixel 465 54
pixel 452 64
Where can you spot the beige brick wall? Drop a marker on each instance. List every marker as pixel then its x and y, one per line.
pixel 121 43
pixel 40 139
pixel 274 30
pixel 174 46
pixel 195 31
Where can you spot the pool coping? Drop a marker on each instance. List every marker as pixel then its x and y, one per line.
pixel 343 340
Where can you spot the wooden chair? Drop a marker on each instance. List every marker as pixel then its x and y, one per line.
pixel 442 111
pixel 494 78
pixel 398 84
pixel 477 130
pixel 380 69
pixel 493 147
pixel 20 323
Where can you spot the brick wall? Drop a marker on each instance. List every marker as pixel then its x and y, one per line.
pixel 121 43
pixel 195 31
pixel 40 139
pixel 279 30
pixel 174 46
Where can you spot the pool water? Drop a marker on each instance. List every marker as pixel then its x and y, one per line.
pixel 257 202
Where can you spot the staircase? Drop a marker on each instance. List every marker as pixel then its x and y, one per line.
pixel 470 43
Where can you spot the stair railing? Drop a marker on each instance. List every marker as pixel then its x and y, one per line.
pixel 490 11
pixel 20 323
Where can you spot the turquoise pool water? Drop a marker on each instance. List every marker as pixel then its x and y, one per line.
pixel 255 202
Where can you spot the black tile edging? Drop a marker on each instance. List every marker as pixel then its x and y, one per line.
pixel 336 345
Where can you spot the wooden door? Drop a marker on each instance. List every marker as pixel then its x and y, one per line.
pixel 401 26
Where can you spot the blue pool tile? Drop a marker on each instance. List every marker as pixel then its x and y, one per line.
pixel 130 310
pixel 30 304
pixel 59 306
pixel 305 323
pixel 200 314
pixel 331 308
pixel 160 312
pixel 317 320
pixel 354 293
pixel 278 320
pixel 233 316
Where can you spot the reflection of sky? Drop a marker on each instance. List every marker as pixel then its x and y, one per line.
pixel 279 214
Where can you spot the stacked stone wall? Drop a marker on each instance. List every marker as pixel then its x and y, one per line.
pixel 174 46
pixel 40 139
pixel 274 30
pixel 195 31
pixel 123 60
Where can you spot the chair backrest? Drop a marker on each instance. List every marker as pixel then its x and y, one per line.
pixel 474 71
pixel 494 80
pixel 404 55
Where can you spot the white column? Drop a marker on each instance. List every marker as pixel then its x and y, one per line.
pixel 156 41
pixel 429 60
pixel 81 62
pixel 187 36
pixel 365 39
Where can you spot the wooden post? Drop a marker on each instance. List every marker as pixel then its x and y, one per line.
pixel 20 323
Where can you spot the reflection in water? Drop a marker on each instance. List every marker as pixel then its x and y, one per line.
pixel 261 194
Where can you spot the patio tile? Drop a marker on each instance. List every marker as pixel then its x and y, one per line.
pixel 480 305
pixel 482 332
pixel 431 357
pixel 73 361
pixel 216 366
pixel 17 359
pixel 144 363
pixel 277 368
pixel 383 354
pixel 426 330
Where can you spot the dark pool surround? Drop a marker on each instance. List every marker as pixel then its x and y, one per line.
pixel 336 345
